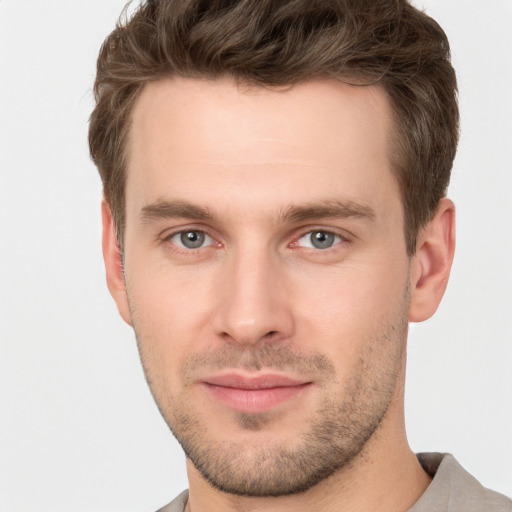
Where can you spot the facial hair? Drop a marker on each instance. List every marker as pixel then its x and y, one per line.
pixel 347 417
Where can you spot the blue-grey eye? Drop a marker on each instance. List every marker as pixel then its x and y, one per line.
pixel 319 239
pixel 191 239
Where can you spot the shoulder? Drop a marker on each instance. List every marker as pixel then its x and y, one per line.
pixel 178 504
pixel 453 489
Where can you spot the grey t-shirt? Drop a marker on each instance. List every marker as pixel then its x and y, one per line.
pixel 452 489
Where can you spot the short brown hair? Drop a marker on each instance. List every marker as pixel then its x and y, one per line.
pixel 283 42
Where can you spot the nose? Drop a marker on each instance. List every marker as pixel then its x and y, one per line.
pixel 253 303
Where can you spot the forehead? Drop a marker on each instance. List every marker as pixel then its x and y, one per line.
pixel 214 141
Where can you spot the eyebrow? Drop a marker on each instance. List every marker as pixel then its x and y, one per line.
pixel 330 209
pixel 333 209
pixel 175 209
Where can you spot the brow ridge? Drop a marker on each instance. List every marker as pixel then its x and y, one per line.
pixel 175 209
pixel 333 208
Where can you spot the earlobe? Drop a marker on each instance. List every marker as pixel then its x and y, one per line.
pixel 113 263
pixel 432 262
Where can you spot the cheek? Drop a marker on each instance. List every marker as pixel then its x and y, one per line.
pixel 347 307
pixel 168 311
pixel 164 295
pixel 337 309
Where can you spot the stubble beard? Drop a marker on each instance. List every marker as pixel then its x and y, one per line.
pixel 341 427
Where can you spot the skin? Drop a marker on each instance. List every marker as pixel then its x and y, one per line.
pixel 258 171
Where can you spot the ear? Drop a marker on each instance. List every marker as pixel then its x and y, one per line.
pixel 432 262
pixel 113 263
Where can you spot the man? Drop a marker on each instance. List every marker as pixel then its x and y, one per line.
pixel 274 177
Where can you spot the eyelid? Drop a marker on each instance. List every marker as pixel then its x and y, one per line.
pixel 171 231
pixel 342 234
pixel 167 236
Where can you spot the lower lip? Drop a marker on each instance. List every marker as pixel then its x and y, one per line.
pixel 255 400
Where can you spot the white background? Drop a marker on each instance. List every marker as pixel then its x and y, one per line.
pixel 79 431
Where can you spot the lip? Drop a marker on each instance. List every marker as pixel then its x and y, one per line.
pixel 254 393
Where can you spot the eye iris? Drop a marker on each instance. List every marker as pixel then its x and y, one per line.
pixel 322 239
pixel 192 239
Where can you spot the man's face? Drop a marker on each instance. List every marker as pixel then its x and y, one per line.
pixel 267 275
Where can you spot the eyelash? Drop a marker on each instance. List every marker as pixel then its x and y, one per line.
pixel 343 239
pixel 169 238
